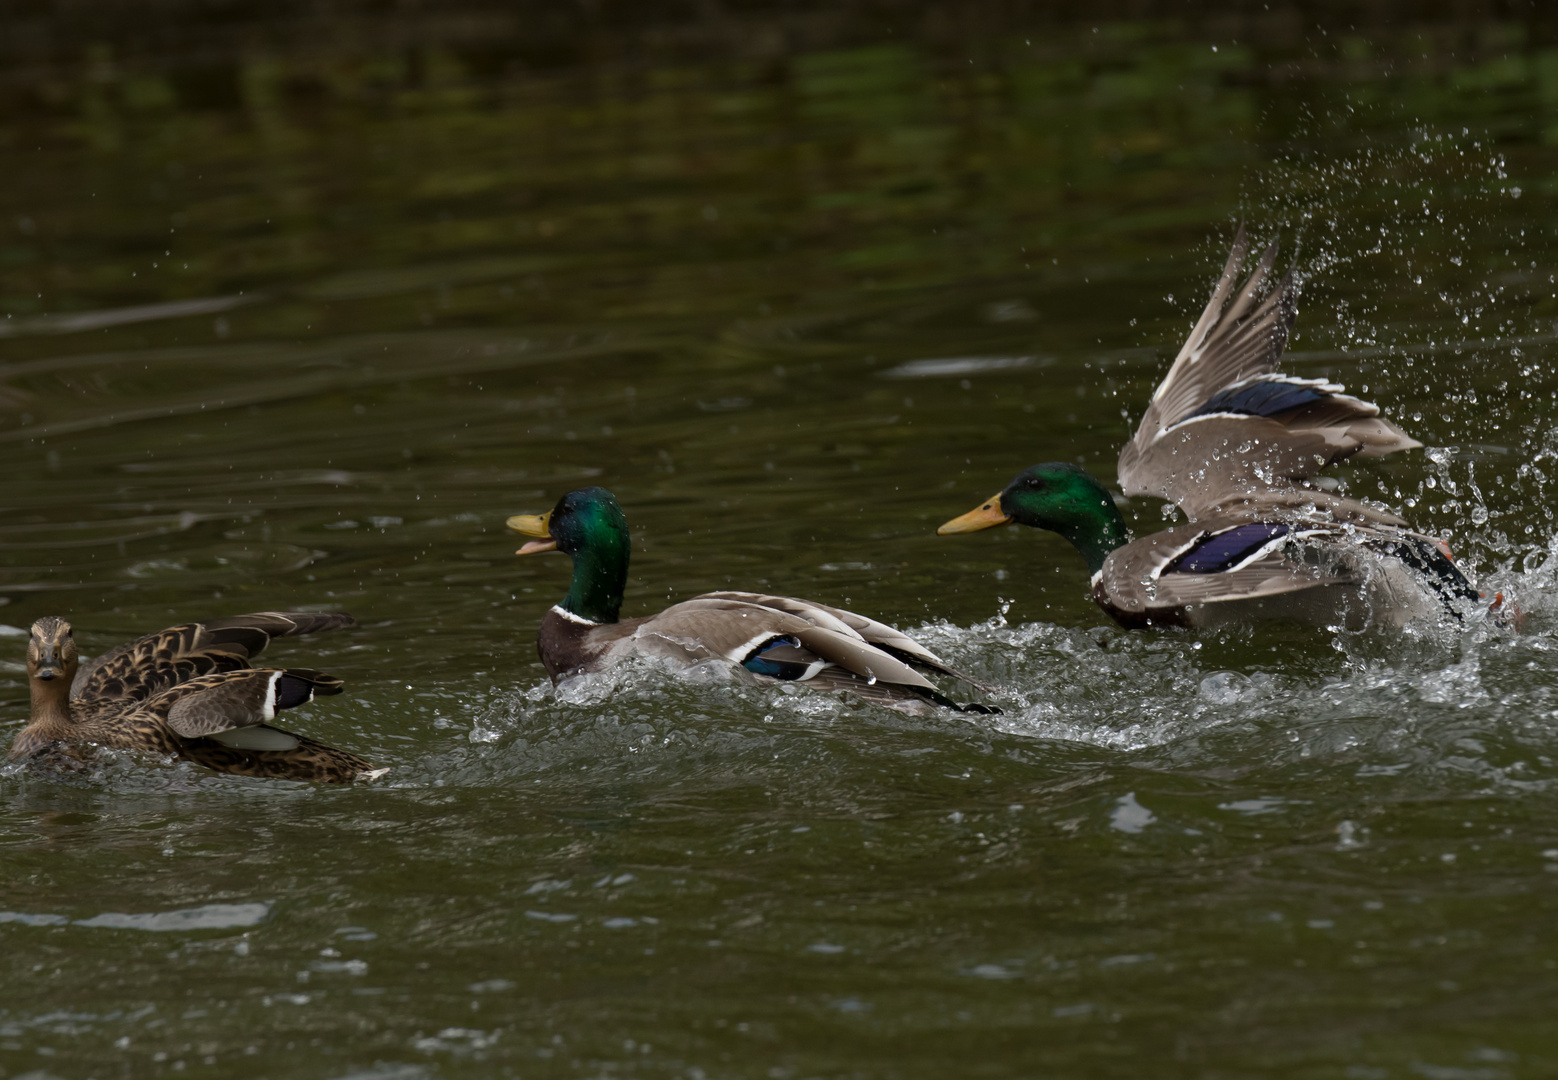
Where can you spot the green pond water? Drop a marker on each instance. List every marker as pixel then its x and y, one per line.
pixel 297 307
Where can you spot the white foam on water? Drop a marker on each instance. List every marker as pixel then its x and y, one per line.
pixel 205 917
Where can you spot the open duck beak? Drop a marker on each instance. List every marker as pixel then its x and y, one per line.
pixel 987 516
pixel 534 525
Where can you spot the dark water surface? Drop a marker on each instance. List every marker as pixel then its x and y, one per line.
pixel 295 310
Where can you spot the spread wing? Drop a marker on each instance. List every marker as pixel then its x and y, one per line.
pixel 1225 422
pixel 235 707
pixel 142 668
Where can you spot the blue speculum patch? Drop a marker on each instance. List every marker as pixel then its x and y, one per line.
pixel 1224 551
pixel 773 668
pixel 1266 397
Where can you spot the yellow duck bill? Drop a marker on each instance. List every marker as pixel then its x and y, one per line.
pixel 987 516
pixel 534 525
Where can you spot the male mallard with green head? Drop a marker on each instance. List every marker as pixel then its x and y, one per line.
pixel 1237 447
pixel 187 692
pixel 771 638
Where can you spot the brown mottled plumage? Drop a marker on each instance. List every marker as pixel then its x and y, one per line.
pixel 188 692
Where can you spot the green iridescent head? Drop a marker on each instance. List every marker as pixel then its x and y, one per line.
pixel 1056 496
pixel 588 525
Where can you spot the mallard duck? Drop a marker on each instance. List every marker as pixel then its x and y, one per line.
pixel 188 692
pixel 770 638
pixel 1237 446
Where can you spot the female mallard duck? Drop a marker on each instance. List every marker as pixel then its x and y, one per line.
pixel 187 692
pixel 772 637
pixel 1235 445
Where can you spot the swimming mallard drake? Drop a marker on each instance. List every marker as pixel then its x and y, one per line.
pixel 775 638
pixel 189 692
pixel 1236 445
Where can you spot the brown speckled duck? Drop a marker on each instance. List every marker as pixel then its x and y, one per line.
pixel 1238 447
pixel 187 692
pixel 770 638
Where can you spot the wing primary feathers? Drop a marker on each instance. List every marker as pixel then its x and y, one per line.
pixel 1214 307
pixel 938 667
pixel 1229 342
pixel 1224 425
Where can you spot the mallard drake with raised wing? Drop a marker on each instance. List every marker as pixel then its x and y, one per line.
pixel 1237 446
pixel 187 692
pixel 770 638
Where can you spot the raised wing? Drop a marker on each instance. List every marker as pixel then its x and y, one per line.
pixel 147 666
pixel 1230 342
pixel 1223 422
